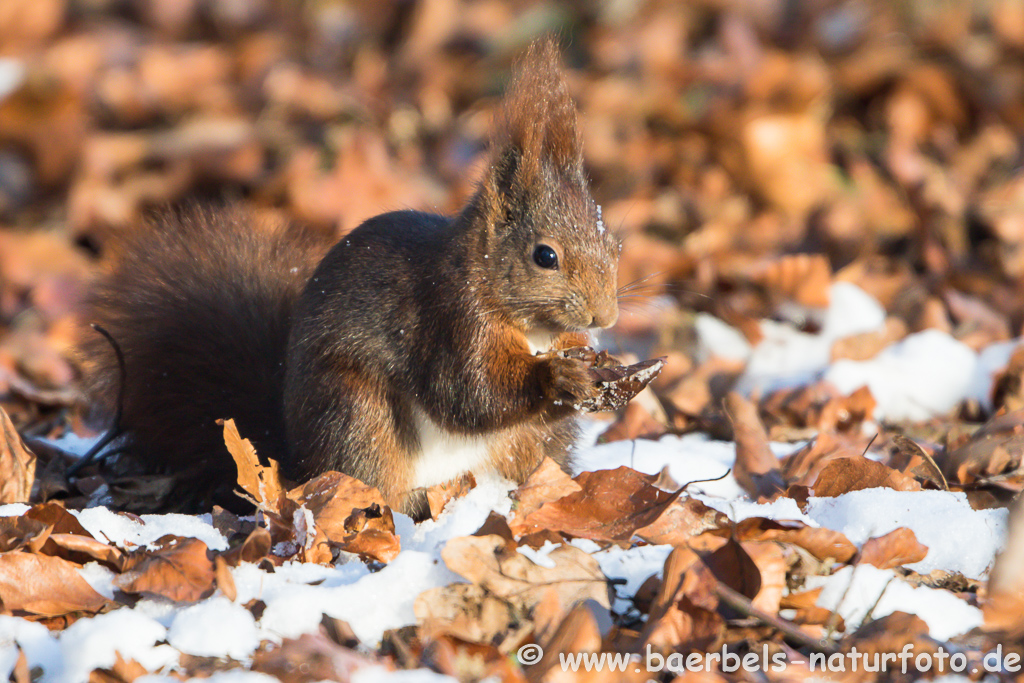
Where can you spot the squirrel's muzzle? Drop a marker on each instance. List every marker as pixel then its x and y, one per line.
pixel 605 315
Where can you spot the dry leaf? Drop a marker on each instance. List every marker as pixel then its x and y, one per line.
pixel 254 548
pixel 823 543
pixel 547 483
pixel 756 469
pixel 439 496
pixel 17 464
pixel 44 585
pixel 179 569
pixel 225 581
pixel 854 474
pixel 263 484
pixel 895 549
pixel 610 506
pixel 464 610
pixel 310 657
pixel 683 519
pixel 349 513
pixel 485 560
pixel 683 614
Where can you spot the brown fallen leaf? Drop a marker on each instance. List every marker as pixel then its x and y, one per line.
pixel 913 460
pixel 464 610
pixel 439 496
pixel 547 483
pixel 610 506
pixel 802 278
pixel 731 565
pixel 579 632
pixel 23 532
pixel 81 549
pixel 179 569
pixel 867 345
pixel 683 519
pixel 683 614
pixel 45 586
pixel 855 474
pixel 822 543
pixel 371 534
pixel 1003 606
pixel 995 449
pixel 310 657
pixel 56 516
pixel 262 484
pixel 485 560
pixel 17 464
pixel 805 606
pixel 254 548
pixel 771 564
pixel 894 549
pixel 804 467
pixel 225 581
pixel 635 422
pixel 453 657
pixel 122 671
pixel 349 513
pixel 756 469
pixel 847 414
pixel 1008 384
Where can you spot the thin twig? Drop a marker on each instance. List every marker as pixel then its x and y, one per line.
pixel 742 604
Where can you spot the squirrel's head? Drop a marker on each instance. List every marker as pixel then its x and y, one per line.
pixel 548 256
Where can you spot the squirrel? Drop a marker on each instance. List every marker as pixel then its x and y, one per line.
pixel 417 348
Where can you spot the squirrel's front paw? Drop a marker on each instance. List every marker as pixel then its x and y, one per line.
pixel 567 381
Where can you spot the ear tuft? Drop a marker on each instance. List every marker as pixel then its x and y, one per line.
pixel 539 115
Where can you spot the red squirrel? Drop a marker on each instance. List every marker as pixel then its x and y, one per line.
pixel 413 351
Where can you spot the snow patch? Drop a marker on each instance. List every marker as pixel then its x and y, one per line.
pixel 852 591
pixel 125 532
pixel 925 375
pixel 941 520
pixel 215 627
pixel 94 644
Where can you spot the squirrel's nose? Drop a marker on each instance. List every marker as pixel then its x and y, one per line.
pixel 606 315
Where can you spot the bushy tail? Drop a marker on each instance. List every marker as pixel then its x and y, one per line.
pixel 200 304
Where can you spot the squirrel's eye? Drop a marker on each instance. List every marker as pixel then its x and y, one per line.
pixel 545 257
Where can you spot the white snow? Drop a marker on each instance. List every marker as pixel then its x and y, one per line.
pixel 854 591
pixel 371 604
pixel 786 357
pixel 941 520
pixel 126 532
pixel 925 375
pixel 539 556
pixel 719 338
pixel 215 628
pixel 93 643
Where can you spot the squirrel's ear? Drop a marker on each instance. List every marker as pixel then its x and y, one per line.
pixel 538 116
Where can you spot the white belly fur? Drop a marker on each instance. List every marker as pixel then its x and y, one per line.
pixel 445 455
pixel 540 341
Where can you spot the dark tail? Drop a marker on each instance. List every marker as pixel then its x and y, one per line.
pixel 200 303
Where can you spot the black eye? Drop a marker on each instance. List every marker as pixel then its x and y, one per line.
pixel 545 257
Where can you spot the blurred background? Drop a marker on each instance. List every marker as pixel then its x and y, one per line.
pixel 751 153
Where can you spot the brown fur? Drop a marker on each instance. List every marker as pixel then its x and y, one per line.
pixel 411 317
